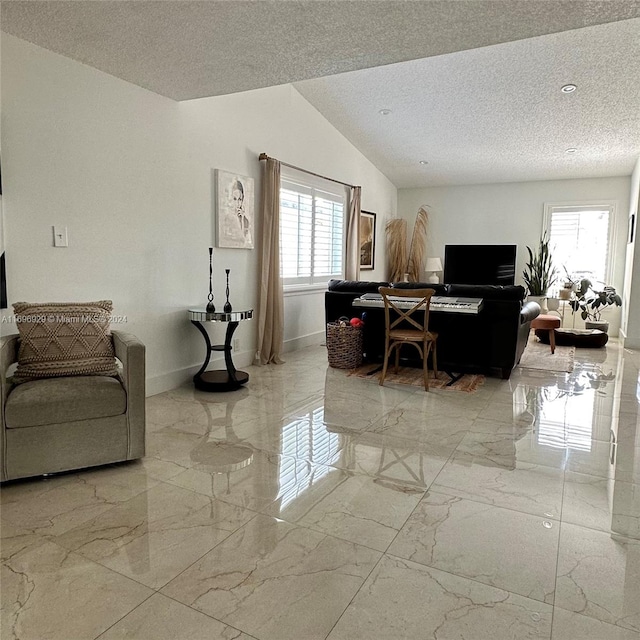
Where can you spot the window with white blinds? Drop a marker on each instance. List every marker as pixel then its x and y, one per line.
pixel 312 222
pixel 579 239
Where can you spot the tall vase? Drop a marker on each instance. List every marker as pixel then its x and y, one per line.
pixel 211 308
pixel 227 304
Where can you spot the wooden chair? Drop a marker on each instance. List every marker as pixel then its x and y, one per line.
pixel 419 336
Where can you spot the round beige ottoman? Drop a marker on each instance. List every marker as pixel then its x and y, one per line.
pixel 548 323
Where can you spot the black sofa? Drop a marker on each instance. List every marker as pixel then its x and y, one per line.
pixel 490 342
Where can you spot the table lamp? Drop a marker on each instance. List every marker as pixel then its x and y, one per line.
pixel 433 266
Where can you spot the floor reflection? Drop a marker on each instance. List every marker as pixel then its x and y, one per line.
pixel 313 504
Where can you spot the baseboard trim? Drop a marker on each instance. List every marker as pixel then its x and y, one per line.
pixel 173 379
pixel 310 340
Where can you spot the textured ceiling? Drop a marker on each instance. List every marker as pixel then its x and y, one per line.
pixel 490 110
pixel 497 114
pixel 184 49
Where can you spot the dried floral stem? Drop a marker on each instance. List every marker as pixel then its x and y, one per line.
pixel 417 249
pixel 396 230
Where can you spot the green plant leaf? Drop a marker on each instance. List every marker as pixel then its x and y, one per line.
pixel 540 274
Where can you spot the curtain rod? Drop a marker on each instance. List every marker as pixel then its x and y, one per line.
pixel 264 156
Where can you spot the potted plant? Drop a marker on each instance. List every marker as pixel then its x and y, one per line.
pixel 539 273
pixel 591 304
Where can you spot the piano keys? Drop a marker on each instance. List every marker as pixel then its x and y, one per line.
pixel 447 304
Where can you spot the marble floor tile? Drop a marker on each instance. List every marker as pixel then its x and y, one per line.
pixel 218 412
pixel 186 450
pixel 507 450
pixel 251 429
pixel 158 469
pixel 483 425
pixel 450 404
pixel 403 599
pixel 629 403
pixel 50 593
pixel 594 459
pixel 303 433
pixel 254 482
pixel 599 576
pixel 488 544
pixel 440 431
pixel 598 425
pixel 340 383
pixel 275 580
pixel 529 488
pixel 355 507
pixel 389 458
pixel 289 387
pixel 180 410
pixel 161 618
pixel 15 539
pixel 57 504
pixel 628 427
pixel 573 626
pixel 627 467
pixel 22 491
pixel 587 501
pixel 156 535
pixel 626 509
pixel 122 481
pixel 353 414
pixel 312 502
pixel 508 413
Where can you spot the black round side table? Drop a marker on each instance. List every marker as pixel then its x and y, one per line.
pixel 219 380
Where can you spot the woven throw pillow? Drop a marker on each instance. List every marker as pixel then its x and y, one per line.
pixel 64 339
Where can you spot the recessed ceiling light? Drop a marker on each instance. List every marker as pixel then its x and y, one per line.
pixel 384 112
pixel 423 162
pixel 568 88
pixel 570 150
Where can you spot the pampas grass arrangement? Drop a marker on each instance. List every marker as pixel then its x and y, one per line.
pixel 396 230
pixel 415 264
pixel 399 262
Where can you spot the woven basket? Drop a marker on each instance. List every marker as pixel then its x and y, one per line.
pixel 344 345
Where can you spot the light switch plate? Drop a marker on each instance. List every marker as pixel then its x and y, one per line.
pixel 60 238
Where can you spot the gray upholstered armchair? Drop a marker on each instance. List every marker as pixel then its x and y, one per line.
pixel 59 424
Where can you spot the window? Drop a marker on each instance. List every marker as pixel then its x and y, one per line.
pixel 312 222
pixel 580 237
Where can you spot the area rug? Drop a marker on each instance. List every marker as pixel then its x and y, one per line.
pixel 412 376
pixel 538 356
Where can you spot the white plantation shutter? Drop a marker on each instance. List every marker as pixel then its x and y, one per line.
pixel 311 233
pixel 579 239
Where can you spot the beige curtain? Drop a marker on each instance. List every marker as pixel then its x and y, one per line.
pixel 352 262
pixel 270 302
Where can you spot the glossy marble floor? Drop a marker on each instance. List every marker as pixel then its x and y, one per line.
pixel 314 505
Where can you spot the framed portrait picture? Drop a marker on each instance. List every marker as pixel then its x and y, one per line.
pixel 234 210
pixel 367 240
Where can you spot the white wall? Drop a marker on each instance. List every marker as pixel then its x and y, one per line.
pixel 512 213
pixel 280 122
pixel 631 291
pixel 130 173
